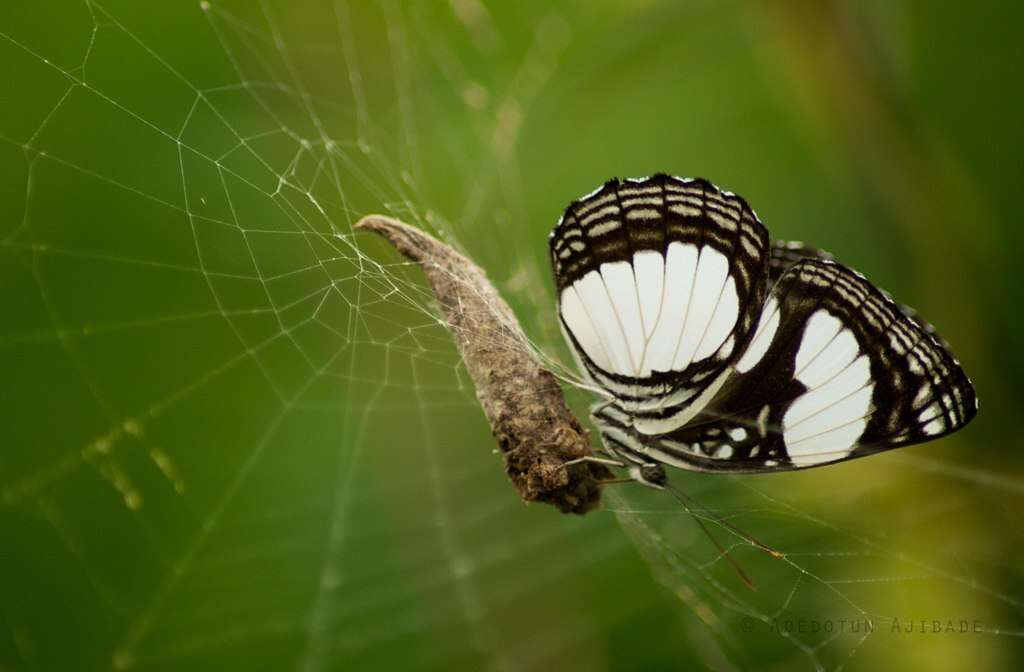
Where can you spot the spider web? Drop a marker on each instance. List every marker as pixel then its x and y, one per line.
pixel 239 432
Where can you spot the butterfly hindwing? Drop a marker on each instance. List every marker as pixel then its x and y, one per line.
pixel 785 253
pixel 835 370
pixel 660 282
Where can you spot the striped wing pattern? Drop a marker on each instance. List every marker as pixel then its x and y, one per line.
pixel 660 283
pixel 664 298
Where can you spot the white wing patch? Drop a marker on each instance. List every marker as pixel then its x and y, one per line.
pixel 598 306
pixel 722 322
pixel 709 281
pixel 577 321
pixel 825 422
pixel 654 314
pixel 763 337
pixel 819 332
pixel 823 398
pixel 656 426
pixel 622 291
pixel 680 267
pixel 649 269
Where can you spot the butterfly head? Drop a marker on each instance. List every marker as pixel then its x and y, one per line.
pixel 651 475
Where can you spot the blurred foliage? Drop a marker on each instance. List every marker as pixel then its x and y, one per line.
pixel 233 440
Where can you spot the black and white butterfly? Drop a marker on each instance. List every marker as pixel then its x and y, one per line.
pixel 722 352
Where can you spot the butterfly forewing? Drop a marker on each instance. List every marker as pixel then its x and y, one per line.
pixel 785 253
pixel 835 370
pixel 660 282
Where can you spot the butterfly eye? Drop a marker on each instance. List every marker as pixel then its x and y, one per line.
pixel 653 474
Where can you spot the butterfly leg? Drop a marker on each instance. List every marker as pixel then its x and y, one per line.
pixel 597 460
pixel 615 481
pixel 651 475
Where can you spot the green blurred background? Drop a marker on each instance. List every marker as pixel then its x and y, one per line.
pixel 235 436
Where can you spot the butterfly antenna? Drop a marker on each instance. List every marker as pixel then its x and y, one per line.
pixel 686 503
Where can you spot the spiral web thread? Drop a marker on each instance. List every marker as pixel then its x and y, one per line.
pixel 298 349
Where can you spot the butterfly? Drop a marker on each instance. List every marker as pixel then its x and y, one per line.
pixel 720 351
